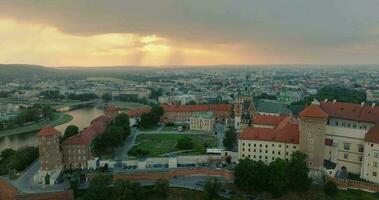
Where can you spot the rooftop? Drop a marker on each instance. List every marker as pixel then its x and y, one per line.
pixel 48 131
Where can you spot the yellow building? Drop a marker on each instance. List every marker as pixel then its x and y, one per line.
pixel 202 122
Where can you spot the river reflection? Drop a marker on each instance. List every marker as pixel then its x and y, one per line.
pixel 81 118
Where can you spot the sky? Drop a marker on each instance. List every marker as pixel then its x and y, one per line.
pixel 188 32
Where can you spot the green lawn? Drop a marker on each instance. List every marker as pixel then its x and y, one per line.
pixel 58 119
pixel 165 143
pixel 356 194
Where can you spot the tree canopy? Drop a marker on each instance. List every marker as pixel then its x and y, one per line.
pixel 230 139
pixel 70 131
pixel 276 178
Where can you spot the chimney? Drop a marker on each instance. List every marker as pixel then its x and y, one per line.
pixel 325 100
pixel 362 104
pixel 334 101
pixel 373 105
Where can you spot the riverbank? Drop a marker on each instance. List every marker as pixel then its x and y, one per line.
pixel 58 119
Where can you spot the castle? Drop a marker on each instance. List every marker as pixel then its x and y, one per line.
pixel 338 138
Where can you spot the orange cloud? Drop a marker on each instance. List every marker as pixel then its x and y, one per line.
pixel 46 45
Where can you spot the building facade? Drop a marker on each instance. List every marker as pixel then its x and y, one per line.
pixel 338 138
pixel 181 114
pixel 202 122
pixel 50 157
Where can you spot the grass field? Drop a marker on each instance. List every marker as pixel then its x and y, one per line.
pixel 165 143
pixel 58 119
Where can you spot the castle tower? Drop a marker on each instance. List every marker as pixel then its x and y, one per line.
pixel 312 126
pixel 50 156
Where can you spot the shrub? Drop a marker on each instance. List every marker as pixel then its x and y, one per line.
pixel 330 188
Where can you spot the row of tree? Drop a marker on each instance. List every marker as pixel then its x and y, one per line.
pixel 12 161
pixel 339 93
pixel 114 135
pixel 151 118
pixel 104 187
pixel 277 178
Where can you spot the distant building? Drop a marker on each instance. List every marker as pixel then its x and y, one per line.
pixel 135 114
pixel 243 112
pixel 202 122
pixel 50 157
pixel 77 149
pixel 338 138
pixel 271 107
pixel 182 113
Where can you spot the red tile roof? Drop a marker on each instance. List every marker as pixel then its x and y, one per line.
pixel 111 108
pixel 268 120
pixel 287 131
pixel 372 135
pixel 350 111
pixel 197 108
pixel 138 111
pixel 96 128
pixel 313 111
pixel 48 131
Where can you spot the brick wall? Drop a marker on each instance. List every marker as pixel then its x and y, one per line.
pixel 7 191
pixel 152 176
pixel 352 184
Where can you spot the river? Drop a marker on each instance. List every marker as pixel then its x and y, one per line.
pixel 81 118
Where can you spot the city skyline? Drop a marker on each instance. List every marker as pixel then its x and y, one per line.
pixel 188 33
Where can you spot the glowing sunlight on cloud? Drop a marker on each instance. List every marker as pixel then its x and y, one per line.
pixel 40 44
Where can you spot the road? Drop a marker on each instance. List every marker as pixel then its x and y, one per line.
pixel 122 152
pixel 220 130
pixel 25 182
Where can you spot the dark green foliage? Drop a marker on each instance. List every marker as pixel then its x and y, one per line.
pixel 17 160
pixel 122 120
pixel 107 97
pixel 185 143
pixel 34 114
pixel 330 188
pixel 275 178
pixel 211 189
pixel 152 118
pixel 47 179
pixel 52 95
pixel 230 139
pixel 99 188
pixel 111 138
pixel 265 96
pixel 155 93
pixel 70 131
pixel 135 151
pixel 297 173
pixel 82 97
pixel 339 93
pixel 125 190
pixel 161 187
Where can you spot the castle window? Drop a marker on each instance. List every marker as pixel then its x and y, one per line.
pixel 374 174
pixel 375 164
pixel 376 155
pixel 346 146
pixel 360 148
pixel 346 155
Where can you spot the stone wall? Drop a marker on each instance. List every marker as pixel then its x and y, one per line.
pixel 152 176
pixel 352 184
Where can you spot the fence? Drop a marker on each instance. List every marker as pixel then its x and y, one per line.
pixel 353 184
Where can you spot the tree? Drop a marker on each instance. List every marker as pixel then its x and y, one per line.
pixel 122 120
pixel 124 189
pixel 230 139
pixel 99 188
pixel 161 187
pixel 297 172
pixel 277 179
pixel 70 131
pixel 252 175
pixel 22 158
pixel 185 143
pixel 265 96
pixel 107 97
pixel 330 188
pixel 7 153
pixel 152 118
pixel 47 179
pixel 211 189
pixel 112 137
